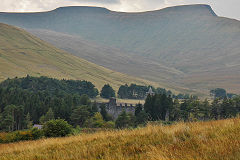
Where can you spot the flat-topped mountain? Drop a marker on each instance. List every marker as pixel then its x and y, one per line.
pixel 188 46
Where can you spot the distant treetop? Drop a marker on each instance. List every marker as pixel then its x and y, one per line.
pixel 51 85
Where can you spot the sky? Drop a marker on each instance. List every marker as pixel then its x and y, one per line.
pixel 225 8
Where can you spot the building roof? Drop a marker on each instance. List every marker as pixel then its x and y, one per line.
pixel 37 126
pixel 150 91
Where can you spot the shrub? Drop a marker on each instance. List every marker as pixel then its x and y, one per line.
pixel 3 137
pixel 37 133
pixel 10 137
pixel 22 135
pixel 77 130
pixel 109 124
pixel 57 128
pixel 125 120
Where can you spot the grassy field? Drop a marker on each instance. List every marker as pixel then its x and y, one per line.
pixel 22 54
pixel 215 140
pixel 129 101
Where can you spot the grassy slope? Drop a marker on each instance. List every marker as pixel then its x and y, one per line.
pixel 22 53
pixel 112 58
pixel 183 141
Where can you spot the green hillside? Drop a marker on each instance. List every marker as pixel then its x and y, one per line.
pixel 22 54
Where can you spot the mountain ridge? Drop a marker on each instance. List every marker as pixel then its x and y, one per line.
pixel 191 40
pixel 77 8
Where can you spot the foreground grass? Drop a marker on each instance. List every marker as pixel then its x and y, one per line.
pixel 202 140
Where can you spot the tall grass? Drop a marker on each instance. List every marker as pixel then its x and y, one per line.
pixel 183 141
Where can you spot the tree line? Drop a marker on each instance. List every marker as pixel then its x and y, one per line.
pixel 163 107
pixel 51 86
pixel 221 93
pixel 134 91
pixel 30 100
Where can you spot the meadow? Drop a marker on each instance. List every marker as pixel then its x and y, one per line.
pixel 211 140
pixel 128 101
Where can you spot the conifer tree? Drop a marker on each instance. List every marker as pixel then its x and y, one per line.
pixel 107 91
pixel 104 113
pixel 80 115
pixel 28 121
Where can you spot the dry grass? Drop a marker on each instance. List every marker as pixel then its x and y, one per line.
pixel 183 141
pixel 128 101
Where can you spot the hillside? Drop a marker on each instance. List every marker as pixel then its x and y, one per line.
pixel 22 54
pixel 111 58
pixel 187 46
pixel 182 141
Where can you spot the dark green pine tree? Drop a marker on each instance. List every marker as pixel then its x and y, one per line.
pixel 228 110
pixel 94 108
pixel 7 121
pixel 175 111
pixel 139 108
pixel 49 115
pixel 215 109
pixel 157 108
pixel 19 117
pixel 148 106
pixel 141 118
pixel 85 100
pixel 107 91
pixel 124 120
pixel 123 92
pixel 80 115
pixel 105 115
pixel 184 107
pixel 205 109
pixel 28 122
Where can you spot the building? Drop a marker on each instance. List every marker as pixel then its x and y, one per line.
pixel 150 92
pixel 37 126
pixel 115 109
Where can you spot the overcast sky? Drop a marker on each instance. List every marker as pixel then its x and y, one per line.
pixel 226 8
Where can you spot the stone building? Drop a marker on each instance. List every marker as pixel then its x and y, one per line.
pixel 115 109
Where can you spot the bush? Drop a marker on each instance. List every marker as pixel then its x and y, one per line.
pixel 125 120
pixel 21 135
pixel 37 133
pixel 57 128
pixel 3 137
pixel 77 130
pixel 97 122
pixel 109 124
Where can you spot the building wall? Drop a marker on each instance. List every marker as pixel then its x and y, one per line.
pixel 115 109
